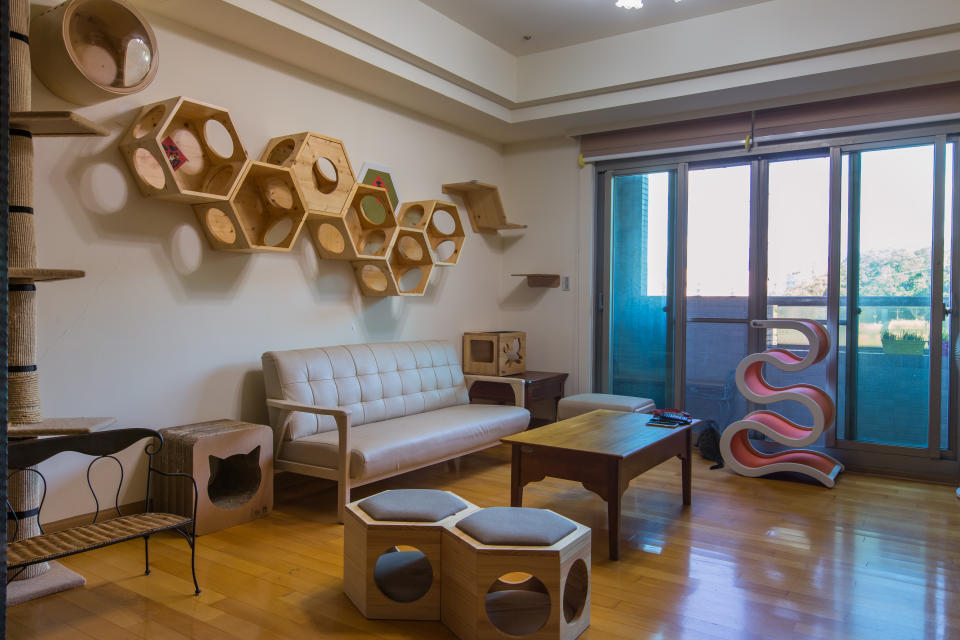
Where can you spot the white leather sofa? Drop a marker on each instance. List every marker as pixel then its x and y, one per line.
pixel 360 413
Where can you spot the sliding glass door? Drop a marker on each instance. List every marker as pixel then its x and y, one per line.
pixel 855 235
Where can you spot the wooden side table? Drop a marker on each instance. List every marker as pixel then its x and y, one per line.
pixel 537 385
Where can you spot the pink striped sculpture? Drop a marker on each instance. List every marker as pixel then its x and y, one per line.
pixel 738 452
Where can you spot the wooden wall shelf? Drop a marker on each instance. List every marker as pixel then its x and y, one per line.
pixel 550 280
pixel 59 427
pixel 483 204
pixel 44 275
pixel 56 123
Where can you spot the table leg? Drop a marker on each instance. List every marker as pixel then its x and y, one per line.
pixel 516 489
pixel 687 468
pixel 614 497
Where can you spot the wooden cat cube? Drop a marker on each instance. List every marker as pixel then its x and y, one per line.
pixel 232 463
pixel 494 353
pixel 391 551
pixel 515 572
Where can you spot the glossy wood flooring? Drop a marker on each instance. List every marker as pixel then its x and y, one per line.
pixel 873 558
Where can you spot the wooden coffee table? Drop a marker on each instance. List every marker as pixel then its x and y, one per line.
pixel 603 450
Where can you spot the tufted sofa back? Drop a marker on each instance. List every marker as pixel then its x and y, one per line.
pixel 374 381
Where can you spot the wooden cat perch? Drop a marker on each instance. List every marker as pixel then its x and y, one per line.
pixel 483 204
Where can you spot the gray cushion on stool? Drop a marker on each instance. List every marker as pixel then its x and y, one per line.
pixel 412 505
pixel 576 405
pixel 516 526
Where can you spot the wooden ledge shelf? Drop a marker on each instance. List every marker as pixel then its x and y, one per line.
pixel 55 123
pixel 59 427
pixel 549 280
pixel 484 207
pixel 44 275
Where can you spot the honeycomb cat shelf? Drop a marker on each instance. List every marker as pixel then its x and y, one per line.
pixel 739 453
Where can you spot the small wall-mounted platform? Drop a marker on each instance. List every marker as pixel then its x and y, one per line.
pixel 321 166
pixel 185 151
pixel 484 207
pixel 265 213
pixel 55 124
pixel 548 280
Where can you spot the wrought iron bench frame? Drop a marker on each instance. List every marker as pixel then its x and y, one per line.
pixel 23 455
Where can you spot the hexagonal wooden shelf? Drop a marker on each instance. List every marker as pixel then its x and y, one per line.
pixel 411 262
pixel 440 221
pixel 321 166
pixel 183 150
pixel 366 228
pixel 375 278
pixel 265 212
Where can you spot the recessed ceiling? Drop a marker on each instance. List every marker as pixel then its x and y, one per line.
pixel 560 23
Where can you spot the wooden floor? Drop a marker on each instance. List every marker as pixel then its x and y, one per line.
pixel 752 558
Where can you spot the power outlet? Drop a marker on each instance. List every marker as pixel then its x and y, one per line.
pixel 565 283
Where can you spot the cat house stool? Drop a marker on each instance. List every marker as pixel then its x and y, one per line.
pixel 516 572
pixel 232 463
pixel 586 402
pixel 391 551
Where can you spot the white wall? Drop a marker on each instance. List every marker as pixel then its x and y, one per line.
pixel 164 331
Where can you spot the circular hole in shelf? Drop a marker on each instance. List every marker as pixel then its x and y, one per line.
pixel 218 138
pixel 442 222
pixel 445 250
pixel 149 121
pixel 190 147
pixel 410 249
pixel 411 279
pixel 372 209
pixel 518 604
pixel 412 216
pixel 373 243
pixel 277 192
pixel 325 175
pixel 331 239
pixel 373 277
pixel 282 151
pixel 148 168
pixel 403 573
pixel 220 226
pixel 220 180
pixel 277 232
pixel 575 591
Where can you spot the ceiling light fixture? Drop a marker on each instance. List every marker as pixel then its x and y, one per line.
pixel 632 4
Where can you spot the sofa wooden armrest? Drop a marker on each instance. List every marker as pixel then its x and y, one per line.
pixel 342 417
pixel 515 383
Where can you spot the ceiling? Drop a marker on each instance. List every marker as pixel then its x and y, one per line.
pixel 559 23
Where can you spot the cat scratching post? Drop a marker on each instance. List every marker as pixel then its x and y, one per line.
pixel 232 463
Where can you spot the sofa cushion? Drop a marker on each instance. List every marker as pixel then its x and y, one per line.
pixel 400 444
pixel 374 381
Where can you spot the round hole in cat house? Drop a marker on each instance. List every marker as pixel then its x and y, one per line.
pixel 149 121
pixel 220 225
pixel 410 249
pixel 331 239
pixel 278 232
pixel 374 278
pixel 220 180
pixel 373 242
pixel 277 192
pixel 442 222
pixel 325 175
pixel 412 216
pixel 282 151
pixel 403 573
pixel 148 168
pixel 518 604
pixel 191 149
pixel 234 480
pixel 373 210
pixel 575 591
pixel 445 250
pixel 411 279
pixel 218 139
